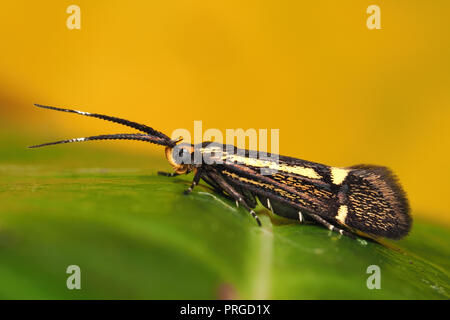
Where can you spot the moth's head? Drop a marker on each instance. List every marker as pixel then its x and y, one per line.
pixel 181 157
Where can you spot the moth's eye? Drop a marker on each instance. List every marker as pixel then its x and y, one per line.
pixel 182 152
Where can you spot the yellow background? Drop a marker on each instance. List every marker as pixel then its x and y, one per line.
pixel 339 93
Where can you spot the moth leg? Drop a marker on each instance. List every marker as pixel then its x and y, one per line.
pixel 248 196
pixel 234 194
pixel 168 174
pixel 331 227
pixel 195 181
pixel 214 185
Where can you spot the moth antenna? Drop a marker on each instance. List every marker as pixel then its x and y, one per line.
pixel 120 136
pixel 131 124
pixel 175 141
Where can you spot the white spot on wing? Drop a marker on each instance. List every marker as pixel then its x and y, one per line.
pixel 338 175
pixel 259 163
pixel 342 214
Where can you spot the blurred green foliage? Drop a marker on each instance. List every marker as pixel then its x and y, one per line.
pixel 136 236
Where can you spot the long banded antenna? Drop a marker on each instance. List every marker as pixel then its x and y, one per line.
pixel 138 126
pixel 120 136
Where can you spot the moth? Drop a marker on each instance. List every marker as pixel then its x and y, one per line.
pixel 363 199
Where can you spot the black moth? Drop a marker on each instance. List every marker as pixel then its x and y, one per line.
pixel 363 199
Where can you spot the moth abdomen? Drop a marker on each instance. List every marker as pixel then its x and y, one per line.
pixel 374 203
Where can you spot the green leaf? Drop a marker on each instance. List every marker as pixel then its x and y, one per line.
pixel 136 236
